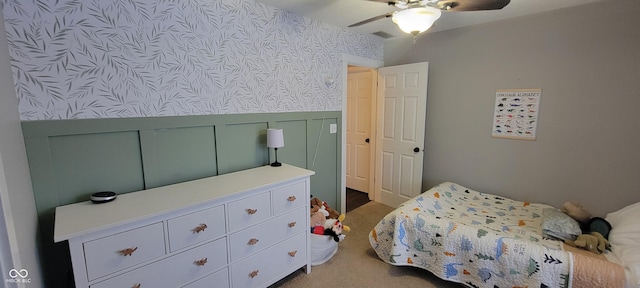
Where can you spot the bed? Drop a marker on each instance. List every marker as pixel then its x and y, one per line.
pixel 484 240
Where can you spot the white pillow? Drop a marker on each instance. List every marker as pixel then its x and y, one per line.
pixel 625 237
pixel 625 219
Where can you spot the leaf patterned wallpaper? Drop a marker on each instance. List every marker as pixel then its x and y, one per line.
pixel 74 59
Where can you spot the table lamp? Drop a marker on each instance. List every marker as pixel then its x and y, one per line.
pixel 275 140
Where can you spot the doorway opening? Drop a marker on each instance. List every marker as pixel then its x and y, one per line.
pixel 360 134
pixel 356 199
pixel 350 60
pixel 398 157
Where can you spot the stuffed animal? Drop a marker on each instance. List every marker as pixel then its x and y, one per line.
pixel 333 213
pixel 317 221
pixel 316 204
pixel 335 228
pixel 319 205
pixel 593 242
pixel 577 212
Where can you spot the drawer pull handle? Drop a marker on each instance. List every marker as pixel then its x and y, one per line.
pixel 252 211
pixel 128 251
pixel 254 273
pixel 201 262
pixel 293 253
pixel 253 241
pixel 136 286
pixel 291 198
pixel 200 228
pixel 292 224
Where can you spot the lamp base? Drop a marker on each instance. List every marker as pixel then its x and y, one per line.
pixel 276 164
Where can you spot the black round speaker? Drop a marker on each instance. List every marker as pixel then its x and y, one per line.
pixel 103 197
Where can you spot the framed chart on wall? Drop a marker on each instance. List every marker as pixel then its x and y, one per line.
pixel 515 114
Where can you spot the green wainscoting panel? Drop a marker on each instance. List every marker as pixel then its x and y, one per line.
pixel 88 163
pixel 295 147
pixel 70 159
pixel 244 146
pixel 80 165
pixel 325 160
pixel 176 155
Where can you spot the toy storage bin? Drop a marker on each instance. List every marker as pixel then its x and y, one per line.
pixel 323 247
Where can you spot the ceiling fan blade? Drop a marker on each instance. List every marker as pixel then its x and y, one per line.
pixel 471 5
pixel 372 19
pixel 446 5
pixel 390 2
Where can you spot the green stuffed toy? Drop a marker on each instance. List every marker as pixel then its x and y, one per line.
pixel 593 242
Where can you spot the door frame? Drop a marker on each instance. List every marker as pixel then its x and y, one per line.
pixel 373 76
pixel 346 61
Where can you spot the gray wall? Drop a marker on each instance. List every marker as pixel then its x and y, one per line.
pixel 586 60
pixel 18 228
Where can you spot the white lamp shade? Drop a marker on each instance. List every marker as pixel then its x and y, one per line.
pixel 275 138
pixel 416 20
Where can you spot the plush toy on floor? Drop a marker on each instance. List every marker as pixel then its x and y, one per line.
pixel 326 221
pixel 317 221
pixel 335 228
pixel 319 205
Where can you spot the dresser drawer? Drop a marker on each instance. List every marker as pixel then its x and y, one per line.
pixel 119 251
pixel 249 211
pixel 175 270
pixel 255 238
pixel 196 262
pixel 196 227
pixel 289 197
pixel 153 275
pixel 264 267
pixel 218 279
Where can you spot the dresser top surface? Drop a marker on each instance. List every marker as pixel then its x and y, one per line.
pixel 86 217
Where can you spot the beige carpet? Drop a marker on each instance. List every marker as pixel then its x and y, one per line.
pixel 357 265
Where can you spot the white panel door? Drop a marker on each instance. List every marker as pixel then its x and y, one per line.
pixel 402 94
pixel 360 88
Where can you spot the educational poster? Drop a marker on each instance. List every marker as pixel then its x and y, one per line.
pixel 516 114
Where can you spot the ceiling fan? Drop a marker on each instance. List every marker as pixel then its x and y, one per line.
pixel 416 16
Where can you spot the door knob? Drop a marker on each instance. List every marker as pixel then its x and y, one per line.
pixel 366 140
pixel 416 149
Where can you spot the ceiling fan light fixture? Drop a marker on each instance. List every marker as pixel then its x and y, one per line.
pixel 416 20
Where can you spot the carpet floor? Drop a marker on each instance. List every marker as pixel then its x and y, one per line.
pixel 356 264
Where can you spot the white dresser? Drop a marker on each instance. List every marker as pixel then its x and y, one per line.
pixel 242 229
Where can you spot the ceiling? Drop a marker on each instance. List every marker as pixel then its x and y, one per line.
pixel 343 13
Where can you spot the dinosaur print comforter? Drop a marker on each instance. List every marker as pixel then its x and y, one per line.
pixel 478 239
